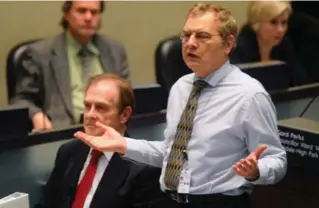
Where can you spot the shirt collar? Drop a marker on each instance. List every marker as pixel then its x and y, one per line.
pixel 76 46
pixel 107 155
pixel 215 77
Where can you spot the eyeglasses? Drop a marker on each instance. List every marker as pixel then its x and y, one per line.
pixel 200 36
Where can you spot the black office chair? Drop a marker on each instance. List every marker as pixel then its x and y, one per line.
pixel 304 32
pixel 14 58
pixel 169 63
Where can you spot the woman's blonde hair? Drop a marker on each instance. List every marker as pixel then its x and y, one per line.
pixel 259 11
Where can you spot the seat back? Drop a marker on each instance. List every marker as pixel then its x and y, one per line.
pixel 169 63
pixel 304 32
pixel 14 58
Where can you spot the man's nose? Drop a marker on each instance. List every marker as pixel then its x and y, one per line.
pixel 90 112
pixel 192 41
pixel 88 15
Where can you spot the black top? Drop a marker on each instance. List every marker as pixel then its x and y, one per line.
pixel 247 50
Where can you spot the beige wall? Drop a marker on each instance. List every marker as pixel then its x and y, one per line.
pixel 139 25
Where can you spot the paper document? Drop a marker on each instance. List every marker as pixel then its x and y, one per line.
pixel 15 200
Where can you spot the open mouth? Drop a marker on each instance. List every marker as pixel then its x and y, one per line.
pixel 192 55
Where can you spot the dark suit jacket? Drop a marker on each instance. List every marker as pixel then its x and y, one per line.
pixel 44 81
pixel 247 50
pixel 304 32
pixel 125 184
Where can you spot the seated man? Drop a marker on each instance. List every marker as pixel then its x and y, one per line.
pixel 55 70
pixel 83 177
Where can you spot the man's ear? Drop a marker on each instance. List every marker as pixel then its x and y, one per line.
pixel 230 43
pixel 126 114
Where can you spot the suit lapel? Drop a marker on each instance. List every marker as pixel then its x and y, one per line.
pixel 60 67
pixel 114 176
pixel 74 170
pixel 106 56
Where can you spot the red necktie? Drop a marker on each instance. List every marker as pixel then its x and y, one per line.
pixel 87 180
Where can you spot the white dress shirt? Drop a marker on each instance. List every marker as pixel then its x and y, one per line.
pixel 235 115
pixel 102 165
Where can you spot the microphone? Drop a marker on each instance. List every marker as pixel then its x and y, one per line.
pixel 308 106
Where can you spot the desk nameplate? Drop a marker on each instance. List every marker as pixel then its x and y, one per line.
pixel 301 141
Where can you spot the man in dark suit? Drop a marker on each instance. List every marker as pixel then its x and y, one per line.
pixel 83 177
pixel 55 70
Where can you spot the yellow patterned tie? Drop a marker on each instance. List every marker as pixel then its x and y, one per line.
pixel 177 155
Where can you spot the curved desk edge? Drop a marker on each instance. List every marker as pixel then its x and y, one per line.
pixel 67 133
pixel 299 123
pixel 40 138
pixel 295 93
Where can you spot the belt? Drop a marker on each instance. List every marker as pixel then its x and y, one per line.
pixel 179 198
pixel 191 198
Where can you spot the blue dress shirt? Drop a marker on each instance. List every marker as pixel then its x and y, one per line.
pixel 234 116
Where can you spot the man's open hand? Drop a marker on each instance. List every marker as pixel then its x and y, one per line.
pixel 248 167
pixel 110 141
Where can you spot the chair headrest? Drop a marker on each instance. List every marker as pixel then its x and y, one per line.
pixel 170 65
pixel 14 58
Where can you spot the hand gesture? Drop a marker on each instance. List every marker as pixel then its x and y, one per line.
pixel 110 141
pixel 248 167
pixel 41 122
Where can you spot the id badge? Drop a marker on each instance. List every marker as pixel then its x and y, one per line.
pixel 184 182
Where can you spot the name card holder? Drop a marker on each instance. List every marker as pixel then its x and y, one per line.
pixel 300 137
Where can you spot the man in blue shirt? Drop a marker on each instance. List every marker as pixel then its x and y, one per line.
pixel 221 135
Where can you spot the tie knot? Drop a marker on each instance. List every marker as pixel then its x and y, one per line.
pixel 200 84
pixel 84 51
pixel 95 155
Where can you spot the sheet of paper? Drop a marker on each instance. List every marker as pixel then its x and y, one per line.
pixel 15 200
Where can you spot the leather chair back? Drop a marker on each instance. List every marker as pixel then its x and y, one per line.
pixel 169 63
pixel 14 58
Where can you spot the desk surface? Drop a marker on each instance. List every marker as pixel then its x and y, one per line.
pixel 302 124
pixel 295 93
pixel 67 133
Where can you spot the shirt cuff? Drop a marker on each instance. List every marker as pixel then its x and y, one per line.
pixel 132 148
pixel 253 179
pixel 263 174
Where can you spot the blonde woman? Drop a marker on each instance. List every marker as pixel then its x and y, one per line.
pixel 263 38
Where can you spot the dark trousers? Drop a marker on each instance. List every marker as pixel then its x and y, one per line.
pixel 212 201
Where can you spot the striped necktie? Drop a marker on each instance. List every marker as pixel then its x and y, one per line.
pixel 183 134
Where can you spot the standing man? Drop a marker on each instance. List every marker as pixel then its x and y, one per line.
pixel 55 71
pixel 83 177
pixel 221 135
